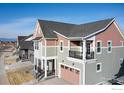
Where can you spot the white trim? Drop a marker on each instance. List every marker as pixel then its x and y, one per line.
pixel 69 66
pixel 61 41
pixel 108 46
pixel 102 82
pixel 98 30
pixel 89 61
pixel 118 29
pixel 100 67
pixel 60 34
pixel 75 60
pixel 45 48
pixel 84 50
pixel 51 38
pixel 76 46
pixel 47 58
pixel 38 27
pixel 100 47
pixel 122 43
pixel 84 71
pixel 75 38
pixel 115 47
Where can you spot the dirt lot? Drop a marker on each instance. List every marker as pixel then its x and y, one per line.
pixel 19 76
pixel 10 60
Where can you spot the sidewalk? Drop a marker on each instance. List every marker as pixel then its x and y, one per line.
pixel 3 78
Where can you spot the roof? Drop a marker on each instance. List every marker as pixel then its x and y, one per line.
pixel 37 38
pixel 25 44
pixel 71 30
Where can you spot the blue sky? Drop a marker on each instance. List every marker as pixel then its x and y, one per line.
pixel 20 19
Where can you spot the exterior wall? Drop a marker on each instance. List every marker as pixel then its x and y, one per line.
pixel 38 53
pixel 31 55
pixel 51 51
pixel 111 33
pixel 110 61
pixel 62 58
pixel 110 66
pixel 38 31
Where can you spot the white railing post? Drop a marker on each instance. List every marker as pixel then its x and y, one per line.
pixel 84 49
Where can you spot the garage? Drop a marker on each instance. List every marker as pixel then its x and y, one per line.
pixel 70 75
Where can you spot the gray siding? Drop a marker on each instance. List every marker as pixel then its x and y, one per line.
pixel 110 66
pixel 51 51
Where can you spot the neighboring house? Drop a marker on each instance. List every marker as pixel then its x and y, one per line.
pixel 88 53
pixel 25 48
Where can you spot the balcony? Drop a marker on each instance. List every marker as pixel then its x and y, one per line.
pixel 79 55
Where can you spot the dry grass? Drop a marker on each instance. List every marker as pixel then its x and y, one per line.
pixel 19 77
pixel 10 60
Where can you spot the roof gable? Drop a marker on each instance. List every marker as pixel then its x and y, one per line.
pixel 71 30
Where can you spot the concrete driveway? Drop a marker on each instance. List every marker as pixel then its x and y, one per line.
pixel 53 81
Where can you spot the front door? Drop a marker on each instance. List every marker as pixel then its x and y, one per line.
pixel 51 67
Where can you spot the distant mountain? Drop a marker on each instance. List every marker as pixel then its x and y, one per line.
pixel 7 39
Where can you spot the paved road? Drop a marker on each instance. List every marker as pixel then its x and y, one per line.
pixel 3 78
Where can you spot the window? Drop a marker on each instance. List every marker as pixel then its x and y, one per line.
pixel 98 67
pixel 71 69
pixel 99 47
pixel 62 66
pixel 121 43
pixel 36 45
pixel 39 62
pixel 61 46
pixel 121 60
pixel 66 67
pixel 109 44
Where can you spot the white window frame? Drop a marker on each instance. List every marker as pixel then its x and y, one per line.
pixel 100 46
pixel 108 46
pixel 36 46
pixel 122 43
pixel 121 60
pixel 100 70
pixel 61 41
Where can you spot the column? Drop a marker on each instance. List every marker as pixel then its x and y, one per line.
pixel 84 49
pixel 45 63
pixel 69 46
pixel 37 65
pixel 55 67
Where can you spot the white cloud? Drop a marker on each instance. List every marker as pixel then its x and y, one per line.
pixel 22 26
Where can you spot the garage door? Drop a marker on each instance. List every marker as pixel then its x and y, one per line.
pixel 70 74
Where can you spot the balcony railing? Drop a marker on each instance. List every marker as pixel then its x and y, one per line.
pixel 79 55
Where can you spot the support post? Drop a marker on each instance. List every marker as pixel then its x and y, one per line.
pixel 45 63
pixel 84 49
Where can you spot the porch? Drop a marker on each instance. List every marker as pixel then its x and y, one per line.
pixel 44 68
pixel 82 49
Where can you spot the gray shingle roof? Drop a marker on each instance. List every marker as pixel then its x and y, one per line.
pixel 71 30
pixel 25 44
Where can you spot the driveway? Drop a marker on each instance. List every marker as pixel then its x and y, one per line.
pixel 53 81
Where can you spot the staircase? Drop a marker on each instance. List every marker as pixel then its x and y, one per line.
pixel 40 75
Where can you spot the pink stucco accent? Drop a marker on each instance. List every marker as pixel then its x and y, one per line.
pixel 51 42
pixel 111 33
pixel 38 32
pixel 70 76
pixel 65 41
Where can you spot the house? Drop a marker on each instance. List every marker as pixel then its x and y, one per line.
pixel 25 48
pixel 87 54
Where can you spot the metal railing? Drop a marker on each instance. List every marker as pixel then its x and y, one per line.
pixel 79 55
